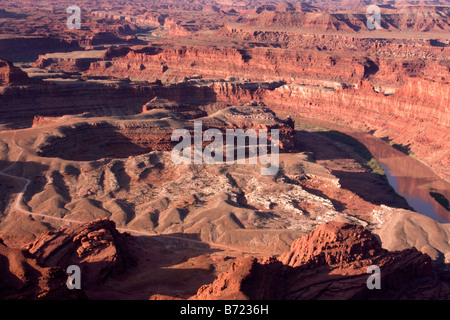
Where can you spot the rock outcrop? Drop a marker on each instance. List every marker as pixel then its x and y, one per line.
pixel 96 247
pixel 38 270
pixel 11 75
pixel 152 131
pixel 257 64
pixel 426 18
pixel 24 278
pixel 331 262
pixel 403 84
pixel 98 136
pixel 101 99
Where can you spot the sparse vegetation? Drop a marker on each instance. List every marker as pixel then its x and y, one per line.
pixel 356 147
pixel 375 167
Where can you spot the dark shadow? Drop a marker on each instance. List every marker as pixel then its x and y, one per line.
pixel 11 15
pixel 150 51
pixel 86 142
pixel 343 18
pixel 59 183
pixel 19 106
pixel 321 148
pixel 389 20
pixel 441 199
pixel 386 6
pixel 338 205
pixel 356 146
pixel 152 271
pixel 371 187
pixel 362 18
pixel 237 221
pixel 370 68
pixel 245 55
pixel 152 171
pixel 118 168
pixel 154 217
pixel 406 149
pixel 437 43
pixel 128 207
pixel 28 49
pixel 257 45
pixel 72 171
pixel 183 212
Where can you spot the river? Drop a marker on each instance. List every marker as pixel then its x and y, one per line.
pixel 409 177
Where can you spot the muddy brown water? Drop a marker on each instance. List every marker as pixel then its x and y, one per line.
pixel 409 177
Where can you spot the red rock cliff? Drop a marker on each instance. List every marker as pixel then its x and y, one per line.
pixel 329 263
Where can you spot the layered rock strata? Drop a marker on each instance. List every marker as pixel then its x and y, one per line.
pixel 331 262
pixel 96 247
pixel 38 270
pixel 11 75
pixel 153 131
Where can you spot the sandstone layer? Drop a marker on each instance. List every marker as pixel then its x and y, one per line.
pixel 96 247
pixel 11 75
pixel 24 278
pixel 86 118
pixel 153 132
pixel 331 262
pixel 380 95
pixel 38 270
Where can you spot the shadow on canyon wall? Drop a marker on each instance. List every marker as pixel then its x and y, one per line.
pixel 28 49
pixel 19 105
pixel 159 269
pixel 406 149
pixel 88 143
pixel 336 151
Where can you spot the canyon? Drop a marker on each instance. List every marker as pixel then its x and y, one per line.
pixel 87 178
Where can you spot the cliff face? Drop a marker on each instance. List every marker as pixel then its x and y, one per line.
pixel 66 64
pixel 96 247
pixel 11 75
pixel 19 105
pixel 121 139
pixel 38 270
pixel 23 278
pixel 426 18
pixel 416 116
pixel 331 262
pixel 405 99
pixel 257 64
